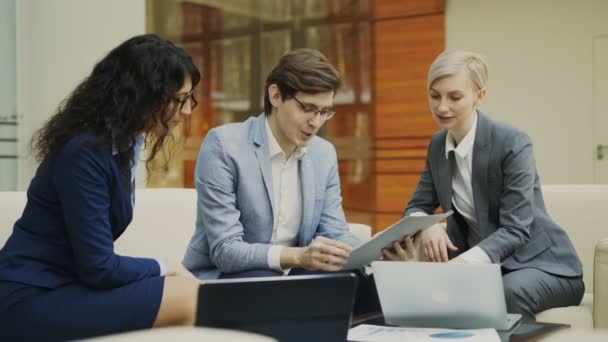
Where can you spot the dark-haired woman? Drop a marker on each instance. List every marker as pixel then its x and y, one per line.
pixel 59 276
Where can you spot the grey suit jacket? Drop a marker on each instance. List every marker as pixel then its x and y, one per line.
pixel 516 230
pixel 233 180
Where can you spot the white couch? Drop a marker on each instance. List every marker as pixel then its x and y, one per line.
pixel 582 210
pixel 164 222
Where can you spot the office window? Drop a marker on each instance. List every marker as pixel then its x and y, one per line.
pixel 235 43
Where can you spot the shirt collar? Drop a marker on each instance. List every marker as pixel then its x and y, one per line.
pixel 273 145
pixel 466 145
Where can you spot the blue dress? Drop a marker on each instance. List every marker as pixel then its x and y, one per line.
pixel 59 276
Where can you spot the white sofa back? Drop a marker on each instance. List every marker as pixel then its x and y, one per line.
pixel 581 210
pixel 162 225
pixel 163 222
pixel 11 208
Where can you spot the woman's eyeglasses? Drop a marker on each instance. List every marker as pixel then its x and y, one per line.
pixel 189 97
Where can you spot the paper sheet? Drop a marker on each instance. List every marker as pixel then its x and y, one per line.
pixel 365 332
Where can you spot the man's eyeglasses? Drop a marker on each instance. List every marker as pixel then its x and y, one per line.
pixel 325 114
pixel 181 102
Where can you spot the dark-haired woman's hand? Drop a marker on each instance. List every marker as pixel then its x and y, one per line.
pixel 177 269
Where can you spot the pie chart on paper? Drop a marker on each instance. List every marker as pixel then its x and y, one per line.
pixel 452 335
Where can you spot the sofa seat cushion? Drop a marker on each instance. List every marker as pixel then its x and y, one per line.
pixel 579 317
pixel 578 335
pixel 184 334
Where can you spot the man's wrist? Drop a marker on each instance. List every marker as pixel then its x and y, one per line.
pixel 291 257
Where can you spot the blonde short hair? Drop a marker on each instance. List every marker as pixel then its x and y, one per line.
pixel 454 61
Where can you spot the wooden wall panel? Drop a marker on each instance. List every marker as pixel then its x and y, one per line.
pixel 404 51
pixel 399 166
pixel 357 216
pixel 407 36
pixel 386 9
pixel 357 196
pixel 383 221
pixel 401 142
pixel 189 166
pixel 394 191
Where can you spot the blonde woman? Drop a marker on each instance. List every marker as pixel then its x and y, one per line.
pixel 485 171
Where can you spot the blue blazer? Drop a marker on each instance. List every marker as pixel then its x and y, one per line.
pixel 235 214
pixel 77 205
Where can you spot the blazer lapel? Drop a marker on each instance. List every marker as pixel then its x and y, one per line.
pixel 479 176
pixel 260 141
pixel 307 182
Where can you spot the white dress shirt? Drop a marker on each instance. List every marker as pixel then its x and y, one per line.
pixel 287 199
pixel 462 190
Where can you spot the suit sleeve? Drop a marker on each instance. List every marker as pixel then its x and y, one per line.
pixel 516 212
pixel 218 211
pixel 332 223
pixel 424 198
pixel 82 177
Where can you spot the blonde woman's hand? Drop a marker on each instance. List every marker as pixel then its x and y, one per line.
pixel 435 242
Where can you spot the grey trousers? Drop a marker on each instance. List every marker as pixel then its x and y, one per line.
pixel 530 290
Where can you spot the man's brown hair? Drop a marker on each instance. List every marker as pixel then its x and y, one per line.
pixel 301 70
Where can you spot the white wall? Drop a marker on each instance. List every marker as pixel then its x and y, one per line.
pixel 58 43
pixel 8 91
pixel 539 52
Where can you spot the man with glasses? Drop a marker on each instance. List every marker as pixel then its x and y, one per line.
pixel 268 189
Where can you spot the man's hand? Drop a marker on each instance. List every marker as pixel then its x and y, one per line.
pixel 322 254
pixel 402 250
pixel 436 243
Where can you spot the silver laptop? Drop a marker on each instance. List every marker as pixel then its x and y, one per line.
pixel 442 295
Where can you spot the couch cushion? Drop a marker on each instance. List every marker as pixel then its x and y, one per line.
pixel 184 334
pixel 361 231
pixel 579 317
pixel 578 335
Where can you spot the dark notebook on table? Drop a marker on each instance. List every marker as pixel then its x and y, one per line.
pixel 295 308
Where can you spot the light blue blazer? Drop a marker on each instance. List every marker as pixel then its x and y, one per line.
pixel 233 180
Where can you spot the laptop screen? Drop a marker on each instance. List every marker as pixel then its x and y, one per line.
pixel 294 308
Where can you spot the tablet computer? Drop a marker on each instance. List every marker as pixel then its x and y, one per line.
pixel 372 249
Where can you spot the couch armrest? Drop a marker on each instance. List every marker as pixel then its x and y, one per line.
pixel 600 285
pixel 361 231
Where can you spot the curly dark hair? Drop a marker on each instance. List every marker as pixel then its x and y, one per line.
pixel 128 93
